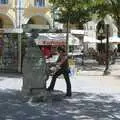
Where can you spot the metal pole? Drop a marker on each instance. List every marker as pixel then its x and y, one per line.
pixel 19 53
pixel 53 14
pixel 101 44
pixel 53 17
pixel 107 51
pixel 67 37
pixel 19 39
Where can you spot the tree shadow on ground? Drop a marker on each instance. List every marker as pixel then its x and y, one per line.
pixel 81 106
pixel 97 67
pixel 117 77
pixel 9 75
pixel 93 67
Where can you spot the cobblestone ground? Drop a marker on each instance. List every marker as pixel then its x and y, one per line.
pixel 95 97
pixel 82 106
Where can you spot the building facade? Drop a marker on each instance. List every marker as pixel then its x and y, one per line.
pixel 13 15
pixel 90 29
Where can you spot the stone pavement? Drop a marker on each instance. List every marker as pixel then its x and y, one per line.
pixel 93 75
pixel 90 78
pixel 95 97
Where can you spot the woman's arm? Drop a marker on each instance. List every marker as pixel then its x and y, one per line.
pixel 63 59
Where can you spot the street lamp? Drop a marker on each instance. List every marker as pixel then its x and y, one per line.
pixel 103 32
pixel 100 36
pixel 53 12
pixel 67 35
pixel 106 71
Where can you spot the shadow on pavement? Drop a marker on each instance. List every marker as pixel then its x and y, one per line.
pixel 82 106
pixel 117 77
pixel 11 75
pixel 93 67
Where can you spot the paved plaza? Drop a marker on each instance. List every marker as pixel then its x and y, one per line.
pixel 95 97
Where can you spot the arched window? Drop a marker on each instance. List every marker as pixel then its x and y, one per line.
pixel 100 33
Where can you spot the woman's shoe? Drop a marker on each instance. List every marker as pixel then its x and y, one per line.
pixel 68 94
pixel 49 89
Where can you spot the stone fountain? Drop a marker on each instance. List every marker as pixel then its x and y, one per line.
pixel 35 71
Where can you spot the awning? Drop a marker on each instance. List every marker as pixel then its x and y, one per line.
pixel 113 39
pixel 88 39
pixel 78 32
pixel 56 39
pixel 12 30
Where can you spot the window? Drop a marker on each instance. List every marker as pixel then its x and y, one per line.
pixel 39 3
pixel 3 1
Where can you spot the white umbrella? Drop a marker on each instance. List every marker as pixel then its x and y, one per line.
pixel 50 39
pixel 73 40
pixel 113 39
pixel 56 39
pixel 90 39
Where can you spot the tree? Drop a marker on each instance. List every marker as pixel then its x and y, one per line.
pixel 75 11
pixel 72 11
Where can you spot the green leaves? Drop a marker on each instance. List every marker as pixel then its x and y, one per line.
pixel 77 11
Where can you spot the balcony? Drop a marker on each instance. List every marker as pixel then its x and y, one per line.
pixel 5 5
pixel 3 2
pixel 39 3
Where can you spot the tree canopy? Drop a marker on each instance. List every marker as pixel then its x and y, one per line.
pixel 76 11
pixel 81 11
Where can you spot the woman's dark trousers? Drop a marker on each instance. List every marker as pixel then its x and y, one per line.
pixel 67 79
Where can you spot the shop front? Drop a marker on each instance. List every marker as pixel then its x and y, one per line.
pixel 8 52
pixel 49 42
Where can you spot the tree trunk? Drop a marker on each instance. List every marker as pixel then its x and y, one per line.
pixel 118 26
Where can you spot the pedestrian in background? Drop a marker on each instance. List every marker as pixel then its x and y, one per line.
pixel 114 56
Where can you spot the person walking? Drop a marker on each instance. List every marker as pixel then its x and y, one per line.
pixel 62 68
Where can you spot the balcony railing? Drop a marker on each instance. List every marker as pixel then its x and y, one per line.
pixel 2 2
pixel 39 3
